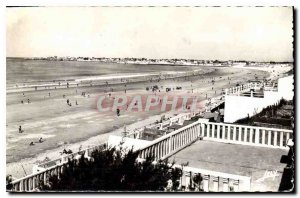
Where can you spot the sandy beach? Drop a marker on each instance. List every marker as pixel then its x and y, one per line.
pixel 63 126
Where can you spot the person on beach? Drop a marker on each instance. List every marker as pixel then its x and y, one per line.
pixel 20 129
pixel 31 144
pixel 76 102
pixel 28 100
pixel 41 140
pixel 68 101
pixel 118 112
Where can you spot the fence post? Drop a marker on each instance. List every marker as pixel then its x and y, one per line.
pixel 257 136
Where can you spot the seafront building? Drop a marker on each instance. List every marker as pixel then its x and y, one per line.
pixel 227 156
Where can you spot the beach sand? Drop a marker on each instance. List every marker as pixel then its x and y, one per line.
pixel 62 126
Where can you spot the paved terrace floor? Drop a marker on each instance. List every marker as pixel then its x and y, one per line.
pixel 236 159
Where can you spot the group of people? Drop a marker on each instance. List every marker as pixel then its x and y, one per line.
pixel 40 141
pixel 70 104
pixel 31 143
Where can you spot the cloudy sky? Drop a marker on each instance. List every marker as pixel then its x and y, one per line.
pixel 223 33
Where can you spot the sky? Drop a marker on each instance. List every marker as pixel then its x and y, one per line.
pixel 208 33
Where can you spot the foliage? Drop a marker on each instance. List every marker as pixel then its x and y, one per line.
pixel 269 115
pixel 8 182
pixel 114 170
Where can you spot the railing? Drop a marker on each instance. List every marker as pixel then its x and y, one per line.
pixel 212 181
pixel 172 142
pixel 31 182
pixel 242 88
pixel 87 152
pixel 43 171
pixel 179 119
pixel 247 135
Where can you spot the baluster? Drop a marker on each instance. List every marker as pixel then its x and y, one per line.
pixel 216 184
pixel 225 185
pixel 170 143
pixel 218 132
pixel 174 144
pixel 159 150
pixel 162 149
pixel 202 129
pixel 183 179
pixel 181 139
pixel 269 137
pixel 155 151
pixel 275 138
pixel 22 185
pixel 234 134
pixel 257 136
pixel 16 187
pixel 263 136
pixel 198 127
pixel 281 139
pixel 187 180
pixel 188 132
pixel 194 132
pixel 236 185
pixel 34 182
pixel 240 134
pixel 30 182
pixel 165 149
pixel 251 135
pixel 245 134
pixel 223 132
pixel 205 183
pixel 228 132
pixel 25 184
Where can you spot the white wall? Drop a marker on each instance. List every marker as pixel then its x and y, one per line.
pixel 286 87
pixel 238 107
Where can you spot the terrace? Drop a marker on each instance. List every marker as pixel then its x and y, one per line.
pixel 248 161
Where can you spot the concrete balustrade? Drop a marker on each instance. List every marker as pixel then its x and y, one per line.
pixel 247 135
pixel 242 88
pixel 220 181
pixel 172 142
pixel 31 182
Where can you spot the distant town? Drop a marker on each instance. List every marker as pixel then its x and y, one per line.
pixel 155 61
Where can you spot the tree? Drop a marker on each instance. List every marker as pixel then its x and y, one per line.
pixel 9 185
pixel 114 169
